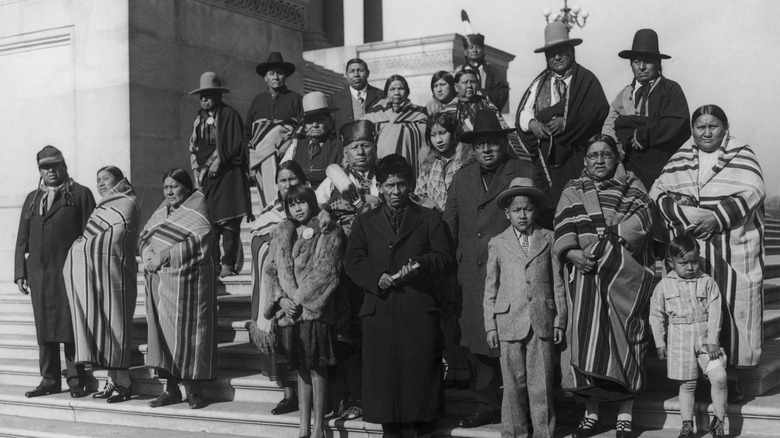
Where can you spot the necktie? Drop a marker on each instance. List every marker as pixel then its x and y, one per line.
pixel 524 243
pixel 560 88
pixel 361 99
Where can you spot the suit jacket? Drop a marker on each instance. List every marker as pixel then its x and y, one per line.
pixel 473 218
pixel 523 291
pixel 343 101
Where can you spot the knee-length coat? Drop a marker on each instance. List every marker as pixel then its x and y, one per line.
pixel 402 369
pixel 47 239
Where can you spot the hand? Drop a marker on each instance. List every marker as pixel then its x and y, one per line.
pixel 538 129
pixel 635 144
pixel 289 307
pixel 556 125
pixel 705 228
pixel 661 353
pixel 24 288
pixel 558 335
pixel 492 339
pixel 324 219
pixel 385 281
pixel 713 351
pixel 214 168
pixel 582 260
pixel 152 261
pixel 408 271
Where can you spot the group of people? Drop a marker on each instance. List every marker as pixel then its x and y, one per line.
pixel 404 249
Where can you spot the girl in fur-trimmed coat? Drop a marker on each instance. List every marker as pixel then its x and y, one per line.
pixel 302 273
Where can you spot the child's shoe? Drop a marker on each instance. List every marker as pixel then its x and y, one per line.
pixel 624 429
pixel 687 429
pixel 716 428
pixel 587 427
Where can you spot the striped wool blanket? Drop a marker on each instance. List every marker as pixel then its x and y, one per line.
pixel 608 329
pixel 100 279
pixel 733 191
pixel 181 298
pixel 401 132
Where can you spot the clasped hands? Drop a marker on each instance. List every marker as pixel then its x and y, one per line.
pixel 290 307
pixel 703 228
pixel 409 270
pixel 550 129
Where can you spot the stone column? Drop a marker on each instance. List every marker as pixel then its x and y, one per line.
pixel 353 22
pixel 314 38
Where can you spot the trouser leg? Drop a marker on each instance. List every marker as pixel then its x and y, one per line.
pixel 75 375
pixel 49 363
pixel 230 231
pixel 514 406
pixel 487 382
pixel 539 366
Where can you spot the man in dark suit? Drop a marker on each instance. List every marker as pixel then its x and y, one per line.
pixel 473 219
pixel 491 80
pixel 53 217
pixel 359 96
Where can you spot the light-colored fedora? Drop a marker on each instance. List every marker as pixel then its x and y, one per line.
pixel 556 35
pixel 315 103
pixel 210 81
pixel 522 186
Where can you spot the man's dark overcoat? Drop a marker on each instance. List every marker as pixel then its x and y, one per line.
pixel 342 100
pixel 47 239
pixel 402 368
pixel 473 218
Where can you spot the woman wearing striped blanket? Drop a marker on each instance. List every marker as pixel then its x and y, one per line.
pixel 181 299
pixel 100 278
pixel 713 189
pixel 603 237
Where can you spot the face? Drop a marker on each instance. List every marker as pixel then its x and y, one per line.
pixel 467 86
pixel 360 154
pixel 357 75
pixel 175 193
pixel 210 99
pixel 600 161
pixel 317 126
pixel 441 139
pixel 105 182
pixel 275 78
pixel 646 69
pixel 560 59
pixel 301 212
pixel 686 266
pixel 708 132
pixel 53 174
pixel 442 91
pixel 474 53
pixel 397 92
pixel 521 212
pixel 395 191
pixel 285 180
pixel 490 151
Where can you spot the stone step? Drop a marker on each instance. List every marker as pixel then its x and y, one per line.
pixel 232 355
pixel 240 284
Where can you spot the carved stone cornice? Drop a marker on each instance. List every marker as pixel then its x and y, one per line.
pixel 413 61
pixel 287 13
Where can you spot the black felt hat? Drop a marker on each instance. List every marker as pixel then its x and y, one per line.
pixel 275 60
pixel 485 122
pixel 645 44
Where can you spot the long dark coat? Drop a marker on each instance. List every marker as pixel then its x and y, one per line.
pixel 402 368
pixel 473 218
pixel 47 239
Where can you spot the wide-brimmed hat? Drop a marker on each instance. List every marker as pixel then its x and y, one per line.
pixel 521 186
pixel 485 122
pixel 49 155
pixel 357 130
pixel 315 103
pixel 275 60
pixel 556 35
pixel 646 44
pixel 210 81
pixel 473 39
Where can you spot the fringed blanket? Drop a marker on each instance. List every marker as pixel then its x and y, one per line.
pixel 100 278
pixel 181 299
pixel 401 133
pixel 733 190
pixel 608 333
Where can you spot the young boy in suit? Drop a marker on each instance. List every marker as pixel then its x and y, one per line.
pixel 524 310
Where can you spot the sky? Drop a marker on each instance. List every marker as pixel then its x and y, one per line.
pixel 724 52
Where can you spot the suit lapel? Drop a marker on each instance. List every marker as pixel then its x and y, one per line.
pixel 56 204
pixel 512 244
pixel 539 243
pixel 500 181
pixel 410 221
pixel 382 224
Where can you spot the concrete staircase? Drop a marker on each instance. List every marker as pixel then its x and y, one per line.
pixel 241 398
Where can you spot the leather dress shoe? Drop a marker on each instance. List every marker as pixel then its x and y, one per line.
pixel 77 391
pixel 123 393
pixel 42 390
pixel 285 407
pixel 476 419
pixel 167 398
pixel 196 401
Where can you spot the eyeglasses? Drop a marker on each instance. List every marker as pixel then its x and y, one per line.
pixel 607 155
pixel 484 146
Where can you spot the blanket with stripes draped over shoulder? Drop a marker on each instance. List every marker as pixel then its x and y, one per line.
pixel 733 190
pixel 608 332
pixel 100 279
pixel 401 132
pixel 181 298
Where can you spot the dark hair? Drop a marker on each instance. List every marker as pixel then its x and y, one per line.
pixel 300 193
pixel 713 110
pixel 180 176
pixel 441 74
pixel 394 164
pixel 113 170
pixel 447 121
pixel 293 167
pixel 356 61
pixel 604 139
pixel 394 78
pixel 681 245
pixel 464 71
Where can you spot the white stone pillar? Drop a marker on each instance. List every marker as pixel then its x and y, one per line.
pixel 353 22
